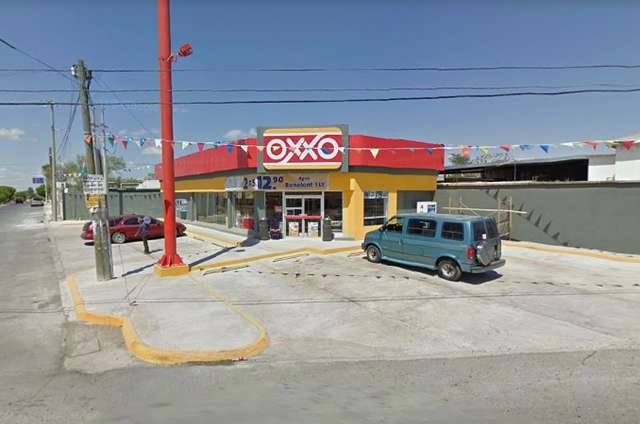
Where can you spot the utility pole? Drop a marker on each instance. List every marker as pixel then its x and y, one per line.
pixel 95 193
pixel 170 263
pixel 52 168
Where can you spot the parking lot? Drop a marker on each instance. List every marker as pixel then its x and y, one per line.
pixel 341 307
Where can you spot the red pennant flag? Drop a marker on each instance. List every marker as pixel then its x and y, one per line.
pixel 87 138
pixel 124 143
pixel 465 151
pixel 115 139
pixel 592 144
pixel 200 147
pixel 505 147
pixel 628 143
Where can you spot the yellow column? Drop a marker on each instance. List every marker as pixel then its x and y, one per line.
pixel 392 204
pixel 353 214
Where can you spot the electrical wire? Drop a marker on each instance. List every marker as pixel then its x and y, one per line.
pixel 129 111
pixel 40 61
pixel 325 90
pixel 620 66
pixel 348 100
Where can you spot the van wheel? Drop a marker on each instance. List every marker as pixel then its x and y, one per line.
pixel 118 238
pixel 373 254
pixel 449 270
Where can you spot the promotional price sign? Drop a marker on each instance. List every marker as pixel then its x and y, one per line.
pixel 274 182
pixel 94 184
pixel 303 148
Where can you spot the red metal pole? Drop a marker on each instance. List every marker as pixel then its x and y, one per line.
pixel 170 258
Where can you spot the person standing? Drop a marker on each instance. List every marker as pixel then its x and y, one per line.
pixel 143 232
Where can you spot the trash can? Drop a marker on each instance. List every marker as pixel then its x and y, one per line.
pixel 263 229
pixel 327 232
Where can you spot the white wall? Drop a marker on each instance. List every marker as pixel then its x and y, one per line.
pixel 628 163
pixel 602 167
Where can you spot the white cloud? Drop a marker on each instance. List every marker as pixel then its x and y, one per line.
pixel 152 151
pixel 238 134
pixel 11 133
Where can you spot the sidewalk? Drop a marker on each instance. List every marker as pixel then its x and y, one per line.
pixel 164 321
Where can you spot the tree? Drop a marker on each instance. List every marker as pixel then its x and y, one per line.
pixel 491 158
pixel 71 171
pixel 6 193
pixel 459 159
pixel 40 190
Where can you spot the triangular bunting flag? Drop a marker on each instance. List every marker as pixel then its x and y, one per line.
pixel 628 144
pixel 545 147
pixel 374 152
pixel 244 147
pixel 158 142
pixel 115 139
pixel 88 138
pixel 200 147
pixel 184 144
pixel 525 147
pixel 260 148
pixel 111 140
pixel 140 142
pixel 429 150
pixel 412 149
pixel 341 149
pixel 610 144
pixel 592 144
pixel 464 151
pixel 324 150
pixel 229 148
pixel 124 143
pixel 506 147
pixel 484 149
pixel 569 144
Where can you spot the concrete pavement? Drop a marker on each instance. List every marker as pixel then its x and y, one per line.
pixel 59 371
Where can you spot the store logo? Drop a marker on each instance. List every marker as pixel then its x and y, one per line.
pixel 308 148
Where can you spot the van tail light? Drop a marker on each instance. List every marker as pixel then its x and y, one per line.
pixel 471 253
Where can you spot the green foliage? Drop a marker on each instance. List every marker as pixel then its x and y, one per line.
pixel 459 159
pixel 40 190
pixel 6 193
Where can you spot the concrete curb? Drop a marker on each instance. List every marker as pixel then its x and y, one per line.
pixel 156 355
pixel 215 240
pixel 276 255
pixel 573 251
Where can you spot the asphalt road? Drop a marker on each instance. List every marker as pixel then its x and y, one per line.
pixel 35 386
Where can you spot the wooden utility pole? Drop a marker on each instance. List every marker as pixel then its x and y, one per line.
pixel 170 263
pixel 95 196
pixel 53 167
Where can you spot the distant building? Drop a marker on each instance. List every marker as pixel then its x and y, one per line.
pixel 621 165
pixel 149 185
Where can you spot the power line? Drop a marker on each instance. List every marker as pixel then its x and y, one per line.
pixel 324 90
pixel 347 69
pixel 129 111
pixel 348 100
pixel 30 56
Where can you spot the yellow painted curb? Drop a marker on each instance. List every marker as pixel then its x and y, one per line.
pixel 156 355
pixel 273 255
pixel 170 271
pixel 215 240
pixel 572 251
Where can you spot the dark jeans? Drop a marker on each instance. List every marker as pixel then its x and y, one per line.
pixel 145 242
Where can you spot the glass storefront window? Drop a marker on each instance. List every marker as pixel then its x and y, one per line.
pixel 243 202
pixel 211 207
pixel 333 209
pixel 375 207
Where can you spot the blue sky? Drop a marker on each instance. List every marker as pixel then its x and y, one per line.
pixel 236 34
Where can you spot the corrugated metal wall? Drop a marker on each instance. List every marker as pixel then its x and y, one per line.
pixel 120 203
pixel 590 215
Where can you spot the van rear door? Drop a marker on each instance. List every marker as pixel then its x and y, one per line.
pixel 486 241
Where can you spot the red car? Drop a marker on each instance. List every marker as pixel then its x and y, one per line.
pixel 125 228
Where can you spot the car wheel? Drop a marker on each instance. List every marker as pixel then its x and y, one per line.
pixel 449 270
pixel 118 238
pixel 373 254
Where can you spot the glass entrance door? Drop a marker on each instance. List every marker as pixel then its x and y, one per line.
pixel 303 214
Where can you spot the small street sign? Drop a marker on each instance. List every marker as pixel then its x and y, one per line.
pixel 37 180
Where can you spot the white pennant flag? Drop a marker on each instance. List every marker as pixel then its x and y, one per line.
pixel 158 142
pixel 244 147
pixel 185 144
pixel 374 152
pixel 260 148
pixel 570 144
pixel 341 149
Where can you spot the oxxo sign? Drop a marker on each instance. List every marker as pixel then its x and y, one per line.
pixel 302 148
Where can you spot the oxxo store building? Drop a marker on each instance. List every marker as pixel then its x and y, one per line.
pixel 296 177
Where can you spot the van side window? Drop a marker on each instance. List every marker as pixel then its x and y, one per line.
pixel 421 227
pixel 479 231
pixel 452 231
pixel 394 225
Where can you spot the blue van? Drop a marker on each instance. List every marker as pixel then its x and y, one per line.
pixel 450 244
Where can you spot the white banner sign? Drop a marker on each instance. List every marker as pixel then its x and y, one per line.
pixel 94 184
